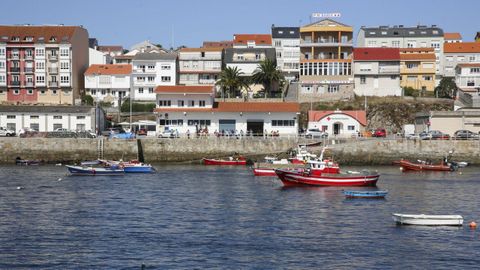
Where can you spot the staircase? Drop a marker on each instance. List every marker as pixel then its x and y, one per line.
pixel 292 93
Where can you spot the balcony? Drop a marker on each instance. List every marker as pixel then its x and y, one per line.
pixel 389 70
pixel 206 81
pixel 29 84
pixel 197 57
pixel 28 70
pixel 331 42
pixel 15 83
pixel 15 69
pixel 28 57
pixel 53 84
pixel 52 70
pixel 52 57
pixel 14 56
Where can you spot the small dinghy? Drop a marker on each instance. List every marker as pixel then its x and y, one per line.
pixel 88 170
pixel 428 220
pixel 369 194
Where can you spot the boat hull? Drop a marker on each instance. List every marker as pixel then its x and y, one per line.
pixel 207 161
pixel 78 170
pixel 428 220
pixel 264 172
pixel 374 194
pixel 139 169
pixel 406 165
pixel 299 178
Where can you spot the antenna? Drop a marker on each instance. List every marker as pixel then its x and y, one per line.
pixel 173 37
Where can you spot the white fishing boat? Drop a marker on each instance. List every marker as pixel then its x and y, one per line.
pixel 428 220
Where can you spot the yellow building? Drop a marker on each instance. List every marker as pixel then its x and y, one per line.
pixel 326 58
pixel 417 68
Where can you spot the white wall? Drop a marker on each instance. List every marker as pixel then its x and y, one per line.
pixel 46 121
pixel 174 98
pixel 96 57
pixel 331 119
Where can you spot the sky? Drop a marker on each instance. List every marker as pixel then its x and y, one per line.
pixel 190 22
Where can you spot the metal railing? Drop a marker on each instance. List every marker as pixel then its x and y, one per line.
pixel 14 69
pixel 53 84
pixel 53 70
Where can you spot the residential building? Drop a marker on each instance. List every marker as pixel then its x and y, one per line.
pixel 247 60
pixel 96 57
pixel 151 70
pixel 49 118
pixel 190 109
pixel 398 36
pixel 200 66
pixel 108 83
pixel 216 44
pixel 448 121
pixel 112 51
pixel 326 59
pixel 252 41
pixel 123 59
pixel 452 38
pixel 338 123
pixel 42 64
pixel 286 41
pixel 144 47
pixel 467 77
pixel 417 68
pixel 377 71
pixel 460 53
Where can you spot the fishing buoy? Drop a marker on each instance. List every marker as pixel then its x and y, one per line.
pixel 20 187
pixel 473 225
pixel 59 179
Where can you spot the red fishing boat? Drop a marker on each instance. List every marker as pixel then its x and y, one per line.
pixel 231 161
pixel 307 178
pixel 406 165
pixel 264 172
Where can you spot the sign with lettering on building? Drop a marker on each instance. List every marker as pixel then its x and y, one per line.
pixel 326 15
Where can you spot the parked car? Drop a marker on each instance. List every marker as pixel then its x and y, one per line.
pixel 168 133
pixel 6 132
pixel 380 132
pixel 142 132
pixel 435 135
pixel 114 130
pixel 465 135
pixel 424 135
pixel 315 133
pixel 61 130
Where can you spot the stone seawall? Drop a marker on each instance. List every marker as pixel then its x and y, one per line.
pixel 154 150
pixel 372 151
pixel 377 151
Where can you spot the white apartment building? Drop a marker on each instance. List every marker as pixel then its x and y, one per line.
pixel 398 36
pixel 151 70
pixel 460 53
pixel 286 41
pixel 189 109
pixel 200 66
pixel 467 77
pixel 108 83
pixel 247 60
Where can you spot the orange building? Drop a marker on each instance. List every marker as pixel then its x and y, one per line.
pixel 417 68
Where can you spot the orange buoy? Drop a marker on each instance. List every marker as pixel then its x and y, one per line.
pixel 473 225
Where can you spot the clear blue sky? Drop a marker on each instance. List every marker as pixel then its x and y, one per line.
pixel 120 22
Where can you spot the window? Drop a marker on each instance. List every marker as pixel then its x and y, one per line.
pixel 165 103
pixel 151 79
pixel 2 52
pixel 199 123
pixel 411 78
pixel 258 56
pixel 30 92
pixel 363 80
pixel 475 70
pixel 12 126
pixel 150 90
pixel 140 79
pixel 283 123
pixel 104 92
pixel 372 43
pixel 57 117
pixel 278 43
pixel 35 126
pixel 64 65
pixel 470 82
pixel 411 44
pixel 240 57
pixel 54 92
pixel 81 127
pixel 57 126
pixel 29 53
pixel 93 91
pixel 427 78
pixel 166 67
pixel 2 65
pixel 150 67
pixel 64 79
pixel 40 65
pixel 174 122
pixel 393 77
pixel 16 92
pixel 191 103
pixel 79 117
pixel 435 45
pixel 2 78
pixel 201 103
pixel 64 52
pixel 40 52
pixel 180 103
pixel 332 89
pixel 42 92
pixel 412 65
pixel 166 78
pixel 472 58
pixel 140 90
pixel 11 116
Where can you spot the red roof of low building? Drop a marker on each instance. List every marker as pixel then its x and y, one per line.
pixel 376 54
pixel 417 50
pixel 452 36
pixel 240 107
pixel 110 48
pixel 60 33
pixel 192 89
pixel 110 69
pixel 469 65
pixel 417 56
pixel 260 39
pixel 464 47
pixel 316 116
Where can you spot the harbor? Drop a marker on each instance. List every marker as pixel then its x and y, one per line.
pixel 190 216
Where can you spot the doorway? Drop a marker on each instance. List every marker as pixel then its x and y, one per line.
pixel 337 127
pixel 255 127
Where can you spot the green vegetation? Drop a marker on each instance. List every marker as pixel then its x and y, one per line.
pixel 87 100
pixel 137 107
pixel 446 89
pixel 232 82
pixel 269 76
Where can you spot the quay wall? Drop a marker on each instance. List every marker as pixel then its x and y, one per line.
pixel 371 151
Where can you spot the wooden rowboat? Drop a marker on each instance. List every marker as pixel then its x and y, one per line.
pixel 428 220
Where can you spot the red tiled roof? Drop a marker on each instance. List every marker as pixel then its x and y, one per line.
pixel 469 65
pixel 260 39
pixel 418 56
pixel 316 116
pixel 452 36
pixel 241 107
pixel 413 50
pixel 376 54
pixel 464 47
pixel 61 33
pixel 208 49
pixel 110 69
pixel 110 48
pixel 197 89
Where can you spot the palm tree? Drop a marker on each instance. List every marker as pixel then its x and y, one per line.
pixel 231 81
pixel 268 75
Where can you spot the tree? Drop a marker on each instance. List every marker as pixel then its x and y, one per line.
pixel 446 89
pixel 268 75
pixel 231 81
pixel 87 100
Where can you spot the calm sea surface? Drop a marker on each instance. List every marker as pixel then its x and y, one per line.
pixel 197 217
